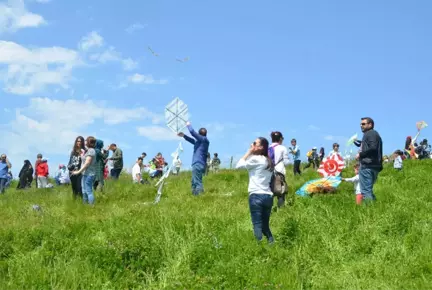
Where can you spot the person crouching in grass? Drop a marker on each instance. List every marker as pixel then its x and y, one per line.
pixel 260 168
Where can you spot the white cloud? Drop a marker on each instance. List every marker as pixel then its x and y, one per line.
pixel 129 64
pixel 135 27
pixel 339 139
pixel 157 133
pixel 313 128
pixel 145 79
pixel 50 126
pixel 91 40
pixel 15 16
pixel 112 55
pixel 26 71
pixel 107 56
pixel 216 128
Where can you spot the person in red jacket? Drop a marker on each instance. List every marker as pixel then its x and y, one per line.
pixel 42 172
pixel 38 160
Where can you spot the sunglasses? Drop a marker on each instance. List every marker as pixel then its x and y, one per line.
pixel 336 146
pixel 363 124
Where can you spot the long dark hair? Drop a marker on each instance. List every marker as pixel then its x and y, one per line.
pixel 322 152
pixel 408 142
pixel 76 150
pixel 264 152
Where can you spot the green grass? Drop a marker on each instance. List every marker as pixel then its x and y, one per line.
pixel 206 242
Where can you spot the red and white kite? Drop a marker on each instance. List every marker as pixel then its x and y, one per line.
pixel 331 166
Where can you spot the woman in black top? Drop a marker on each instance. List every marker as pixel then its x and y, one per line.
pixel 75 162
pixel 25 175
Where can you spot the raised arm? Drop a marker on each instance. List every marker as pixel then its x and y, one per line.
pixel 187 138
pixel 195 134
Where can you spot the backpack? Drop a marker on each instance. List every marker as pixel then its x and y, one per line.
pixel 277 182
pixel 271 153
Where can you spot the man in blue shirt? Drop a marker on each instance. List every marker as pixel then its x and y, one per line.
pixel 4 169
pixel 295 151
pixel 199 159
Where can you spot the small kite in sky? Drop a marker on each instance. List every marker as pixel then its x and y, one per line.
pixel 154 53
pixel 182 60
pixel 421 125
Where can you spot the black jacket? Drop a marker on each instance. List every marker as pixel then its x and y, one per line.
pixel 371 150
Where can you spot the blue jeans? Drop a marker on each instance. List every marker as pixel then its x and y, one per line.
pixel 2 185
pixel 198 171
pixel 260 206
pixel 87 190
pixel 368 177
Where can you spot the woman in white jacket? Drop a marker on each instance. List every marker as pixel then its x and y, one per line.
pixel 260 167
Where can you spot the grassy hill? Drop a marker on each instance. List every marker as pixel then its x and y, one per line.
pixel 206 242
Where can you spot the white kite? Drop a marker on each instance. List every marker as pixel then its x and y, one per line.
pixel 161 181
pixel 176 115
pixel 352 140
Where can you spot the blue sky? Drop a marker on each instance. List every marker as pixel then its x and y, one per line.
pixel 308 69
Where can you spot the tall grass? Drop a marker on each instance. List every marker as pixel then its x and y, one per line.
pixel 206 242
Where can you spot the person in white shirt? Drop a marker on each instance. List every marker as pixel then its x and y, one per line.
pixel 62 176
pixel 136 171
pixel 335 150
pixel 260 168
pixel 356 181
pixel 398 162
pixel 177 164
pixel 281 160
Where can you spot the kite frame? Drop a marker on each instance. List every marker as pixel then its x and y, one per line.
pixel 176 116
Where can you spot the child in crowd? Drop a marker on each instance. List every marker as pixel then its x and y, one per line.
pixel 398 162
pixel 356 181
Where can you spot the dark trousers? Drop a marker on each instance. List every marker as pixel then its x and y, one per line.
pixel 25 181
pixel 296 167
pixel 115 173
pixel 260 206
pixel 198 170
pixel 76 185
pixel 3 185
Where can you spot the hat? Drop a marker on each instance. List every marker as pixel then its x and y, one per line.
pixel 314 148
pixel 61 166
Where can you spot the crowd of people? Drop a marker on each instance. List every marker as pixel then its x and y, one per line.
pixel 266 162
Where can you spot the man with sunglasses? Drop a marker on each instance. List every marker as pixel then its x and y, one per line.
pixel 4 170
pixel 370 157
